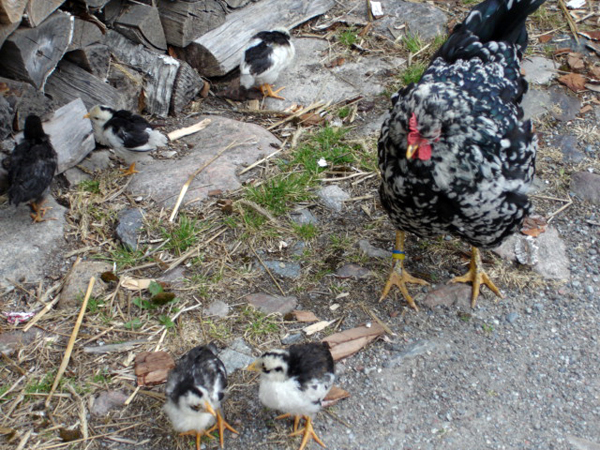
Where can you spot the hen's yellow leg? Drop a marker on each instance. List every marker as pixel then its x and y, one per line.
pixel 308 433
pixel 130 171
pixel 477 276
pixel 267 91
pixel 399 276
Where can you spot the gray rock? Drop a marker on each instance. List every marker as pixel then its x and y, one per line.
pixel 587 186
pixel 173 276
pixel 568 146
pixel 28 250
pixel 582 444
pixel 526 250
pixel 539 70
pixel 422 19
pixel 221 174
pixel 131 221
pixel 303 216
pixel 448 295
pixel 77 282
pixel 291 339
pixel 353 271
pixel 12 341
pixel 512 317
pixel 234 360
pixel 554 101
pixel 553 260
pixel 217 308
pixel 285 269
pixel 333 197
pixel 239 345
pixel 107 400
pixel 269 304
pixel 372 251
pixel 409 352
pixel 6 118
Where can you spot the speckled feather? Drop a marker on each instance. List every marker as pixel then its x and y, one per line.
pixel 33 163
pixel 482 163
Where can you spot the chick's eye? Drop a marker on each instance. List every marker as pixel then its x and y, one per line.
pixel 265 370
pixel 278 369
pixel 196 407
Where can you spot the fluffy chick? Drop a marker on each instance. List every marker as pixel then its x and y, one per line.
pixel 265 56
pixel 295 381
pixel 195 389
pixel 31 168
pixel 126 133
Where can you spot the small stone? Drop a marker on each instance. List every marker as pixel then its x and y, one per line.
pixel 553 262
pixel 234 360
pixel 217 308
pixel 512 317
pixel 353 271
pixel 303 216
pixel 372 251
pixel 12 341
pixel 589 289
pixel 587 186
pixel 448 295
pixel 107 400
pixel 131 221
pixel 284 269
pixel 239 345
pixel 409 352
pixel 333 197
pixel 269 304
pixel 568 146
pixel 291 339
pixel 539 70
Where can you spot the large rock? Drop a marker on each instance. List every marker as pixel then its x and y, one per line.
pixel 587 186
pixel 29 250
pixel 162 180
pixel 421 19
pixel 555 101
pixel 539 70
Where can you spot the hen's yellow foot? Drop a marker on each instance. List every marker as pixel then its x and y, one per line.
pixel 267 91
pixel 477 276
pixel 221 425
pixel 130 171
pixel 308 433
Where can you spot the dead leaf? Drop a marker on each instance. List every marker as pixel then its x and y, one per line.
pixel 335 395
pixel 339 61
pixel 226 205
pixel 136 284
pixel 546 38
pixel 69 435
pixel 305 316
pixel 316 327
pixel 573 81
pixel 534 226
pixel 205 89
pixel 595 72
pixel 593 35
pixel 311 119
pixel 350 341
pixel 152 368
pixel 586 108
pixel 562 51
pixel 575 61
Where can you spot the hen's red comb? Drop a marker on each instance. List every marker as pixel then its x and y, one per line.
pixel 412 123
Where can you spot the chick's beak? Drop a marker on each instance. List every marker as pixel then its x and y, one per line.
pixel 87 116
pixel 209 409
pixel 253 367
pixel 410 151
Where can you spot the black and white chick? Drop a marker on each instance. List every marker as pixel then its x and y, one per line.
pixel 295 381
pixel 32 166
pixel 455 155
pixel 195 389
pixel 126 133
pixel 267 54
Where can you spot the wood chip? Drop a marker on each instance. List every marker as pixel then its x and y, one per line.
pixel 316 327
pixel 178 134
pixel 593 35
pixel 136 284
pixel 545 38
pixel 305 316
pixel 573 81
pixel 335 395
pixel 587 108
pixel 575 61
pixel 534 226
pixel 152 368
pixel 349 342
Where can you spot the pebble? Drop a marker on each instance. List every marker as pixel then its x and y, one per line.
pixel 303 216
pixel 291 339
pixel 131 221
pixel 269 304
pixel 333 197
pixel 512 317
pixel 217 308
pixel 107 400
pixel 284 269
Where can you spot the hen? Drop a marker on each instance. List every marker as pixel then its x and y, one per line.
pixel 454 153
pixel 32 165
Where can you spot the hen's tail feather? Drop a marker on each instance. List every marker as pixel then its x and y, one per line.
pixel 491 20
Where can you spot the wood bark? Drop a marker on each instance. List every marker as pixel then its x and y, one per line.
pixel 11 11
pixel 85 33
pixel 137 22
pixel 31 54
pixel 70 81
pixel 24 100
pixel 187 85
pixel 38 10
pixel 160 71
pixel 185 21
pixel 94 58
pixel 219 51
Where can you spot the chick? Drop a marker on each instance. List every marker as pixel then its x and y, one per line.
pixel 31 168
pixel 265 56
pixel 295 381
pixel 195 389
pixel 126 133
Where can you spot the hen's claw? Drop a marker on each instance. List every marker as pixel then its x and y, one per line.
pixel 477 276
pixel 308 432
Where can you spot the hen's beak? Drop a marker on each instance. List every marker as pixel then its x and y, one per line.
pixel 209 409
pixel 410 151
pixel 253 367
pixel 87 116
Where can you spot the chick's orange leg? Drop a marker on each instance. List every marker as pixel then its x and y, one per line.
pixel 198 435
pixel 307 433
pixel 477 276
pixel 39 212
pixel 399 276
pixel 130 171
pixel 221 425
pixel 267 91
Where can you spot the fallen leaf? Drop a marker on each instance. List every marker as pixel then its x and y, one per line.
pixel 205 89
pixel 573 81
pixel 305 316
pixel 335 395
pixel 562 51
pixel 575 61
pixel 69 435
pixel 595 72
pixel 136 284
pixel 586 108
pixel 546 38
pixel 350 341
pixel 593 35
pixel 339 61
pixel 534 226
pixel 152 368
pixel 316 327
pixel 109 277
pixel 311 119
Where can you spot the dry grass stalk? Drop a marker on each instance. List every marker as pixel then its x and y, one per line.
pixel 570 21
pixel 67 356
pixel 268 271
pixel 182 132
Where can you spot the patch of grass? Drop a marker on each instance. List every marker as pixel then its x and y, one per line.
pixel 413 43
pixel 124 257
pixel 102 377
pixel 183 235
pixel 279 193
pixel 94 304
pixel 133 324
pixel 91 186
pixel 257 324
pixel 305 231
pixel 413 73
pixel 344 112
pixel 546 19
pixel 348 37
pixel 44 385
pixel 218 330
pixel 328 144
pixel 470 2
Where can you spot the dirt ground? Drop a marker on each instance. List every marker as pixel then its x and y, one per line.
pixel 520 372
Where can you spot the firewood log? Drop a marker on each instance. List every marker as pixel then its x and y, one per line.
pixel 11 11
pixel 38 10
pixel 137 22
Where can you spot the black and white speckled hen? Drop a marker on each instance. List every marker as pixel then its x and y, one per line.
pixel 195 389
pixel 454 154
pixel 32 165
